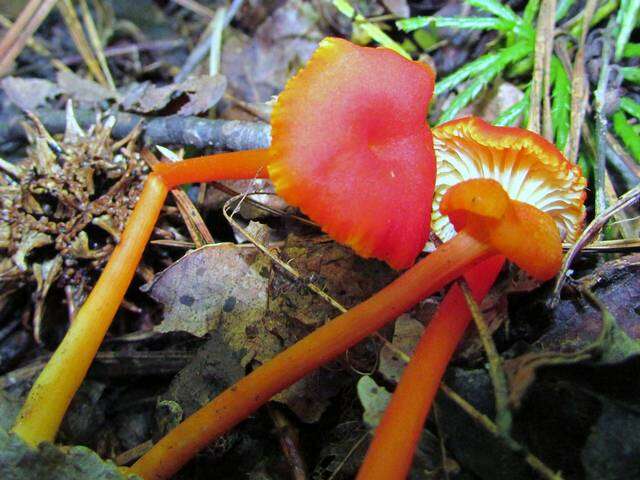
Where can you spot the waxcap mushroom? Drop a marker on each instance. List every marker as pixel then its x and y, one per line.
pixel 529 168
pixel 351 148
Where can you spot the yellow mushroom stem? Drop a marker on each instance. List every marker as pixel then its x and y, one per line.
pixel 49 398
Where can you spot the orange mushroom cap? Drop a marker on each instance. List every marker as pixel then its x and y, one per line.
pixel 524 234
pixel 529 168
pixel 351 148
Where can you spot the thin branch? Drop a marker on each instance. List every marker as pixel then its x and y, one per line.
pixel 588 234
pixel 504 419
pixel 579 88
pixel 172 130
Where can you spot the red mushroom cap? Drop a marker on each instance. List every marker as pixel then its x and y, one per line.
pixel 351 148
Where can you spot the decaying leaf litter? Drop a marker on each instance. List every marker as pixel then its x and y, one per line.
pixel 104 80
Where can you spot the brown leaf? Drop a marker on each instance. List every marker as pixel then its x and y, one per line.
pixel 203 93
pixel 405 337
pixel 217 287
pixel 81 89
pixel 257 67
pixel 256 311
pixel 29 93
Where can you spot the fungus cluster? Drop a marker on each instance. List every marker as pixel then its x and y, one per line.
pixel 352 150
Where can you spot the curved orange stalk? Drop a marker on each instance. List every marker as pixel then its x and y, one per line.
pixel 405 415
pixel 42 412
pixel 236 403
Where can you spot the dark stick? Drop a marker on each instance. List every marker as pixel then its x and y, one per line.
pixel 172 130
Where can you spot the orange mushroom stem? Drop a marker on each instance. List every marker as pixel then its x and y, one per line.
pixel 533 171
pixel 350 152
pixel 233 405
pixel 479 208
pixel 404 418
pixel 49 398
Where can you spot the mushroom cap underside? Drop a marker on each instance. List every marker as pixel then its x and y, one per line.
pixel 529 168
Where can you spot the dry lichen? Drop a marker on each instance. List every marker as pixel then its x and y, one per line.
pixel 63 208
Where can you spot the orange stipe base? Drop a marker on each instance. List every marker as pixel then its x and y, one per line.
pixel 235 404
pixel 405 415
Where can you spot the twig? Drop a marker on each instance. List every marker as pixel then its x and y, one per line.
pixel 70 18
pixel 198 230
pixel 14 170
pixel 541 81
pixel 134 453
pixel 579 96
pixel 588 234
pixel 601 123
pixel 172 130
pixel 441 439
pixel 36 45
pixel 485 422
pixel 628 169
pixel 284 265
pixel 504 418
pixel 289 442
pixel 609 246
pixel 215 43
pixel 204 44
pixel 13 42
pixel 550 24
pixel 132 48
pixel 351 451
pixel 94 38
pixel 196 7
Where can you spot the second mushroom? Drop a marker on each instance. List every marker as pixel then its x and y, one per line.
pixel 511 190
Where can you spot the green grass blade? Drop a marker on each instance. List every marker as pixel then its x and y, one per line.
pixel 561 103
pixel 631 74
pixel 469 23
pixel 600 14
pixel 626 133
pixel 627 16
pixel 509 117
pixel 477 66
pixel 505 57
pixel 495 8
pixel 631 107
pixel 481 64
pixel 631 50
pixel 563 8
pixel 371 29
pixel 530 11
pixel 470 93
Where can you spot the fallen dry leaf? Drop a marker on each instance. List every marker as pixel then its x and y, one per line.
pixel 405 338
pixel 235 292
pixel 257 67
pixel 203 92
pixel 29 93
